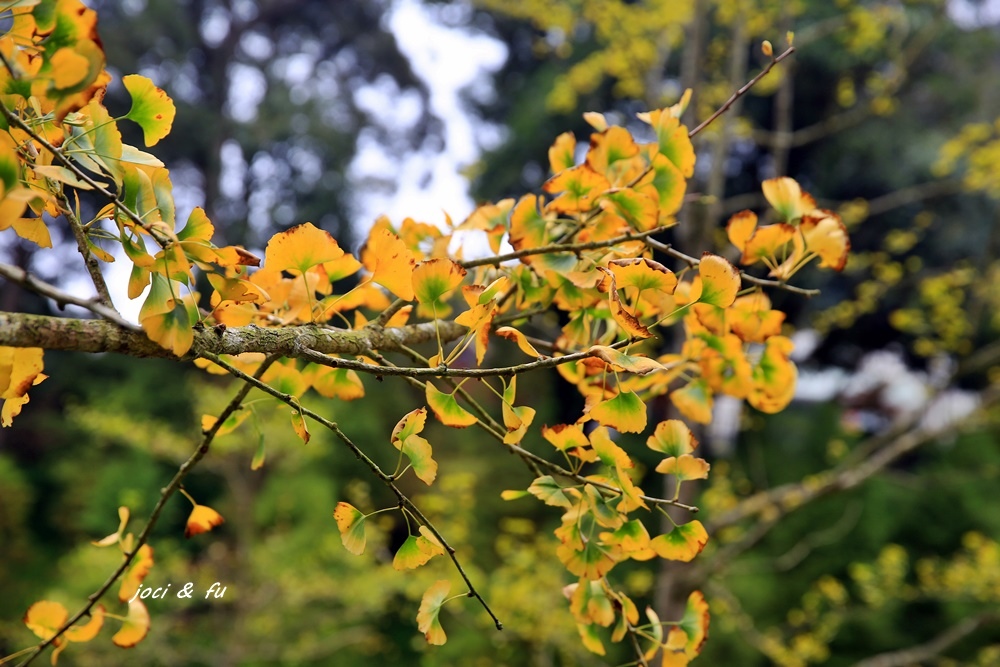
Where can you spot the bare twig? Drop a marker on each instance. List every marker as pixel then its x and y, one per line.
pixel 89 260
pixel 28 281
pixel 742 91
pixel 165 494
pixel 935 647
pixel 386 478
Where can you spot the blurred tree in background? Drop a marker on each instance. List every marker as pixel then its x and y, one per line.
pixel 888 109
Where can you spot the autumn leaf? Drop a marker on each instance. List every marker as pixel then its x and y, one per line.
pixel 787 198
pixel 136 572
pixel 428 616
pixel 510 333
pixel 45 617
pixel 720 281
pixel 152 108
pixel 826 235
pixel 683 543
pixel 135 627
pixel 562 153
pixel 633 364
pixel 201 520
pixel 625 412
pixel 672 138
pixel 20 369
pixel 577 189
pixel 641 274
pixel 547 490
pixel 694 400
pixel 672 438
pixel 447 409
pixel 299 249
pixel 393 263
pixel 351 523
pixel 684 467
pixel 695 623
pixel 627 321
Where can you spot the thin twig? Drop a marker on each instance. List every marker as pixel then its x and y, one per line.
pixel 763 282
pixel 21 277
pixel 386 479
pixel 165 494
pixel 90 261
pixel 935 647
pixel 742 91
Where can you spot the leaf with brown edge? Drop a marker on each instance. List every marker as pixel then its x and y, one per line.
pixel 672 438
pixel 683 543
pixel 720 281
pixel 428 616
pixel 684 467
pixel 393 263
pixel 136 572
pixel 300 427
pixel 625 412
pixel 410 424
pixel 447 409
pixel 201 520
pixel 626 320
pixel 433 280
pixel 45 617
pixel 299 249
pixel 562 153
pixel 135 627
pixel 642 274
pixel 694 400
pixel 510 333
pixel 695 623
pixel 20 369
pixel 826 235
pixel 351 523
pixel 632 364
pixel 630 537
pixel 740 228
pixel 565 436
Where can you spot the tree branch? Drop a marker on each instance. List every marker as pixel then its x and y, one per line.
pixel 935 647
pixel 21 277
pixel 165 495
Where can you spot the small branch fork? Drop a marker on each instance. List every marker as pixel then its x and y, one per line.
pixel 386 479
pixel 165 495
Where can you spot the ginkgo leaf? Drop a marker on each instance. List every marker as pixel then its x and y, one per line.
pixel 89 630
pixel 787 198
pixel 300 248
pixel 684 467
pixel 592 561
pixel 429 542
pixel 625 412
pixel 672 438
pixel 590 604
pixel 433 280
pixel 20 369
pixel 547 490
pixel 695 623
pixel 638 209
pixel 655 633
pixel 774 376
pixel 577 189
pixel 528 226
pixel 590 639
pixel 410 424
pixel 300 427
pixel 610 454
pixel 565 436
pixel 510 333
pixel 393 263
pixel 630 537
pixel 447 409
pixel 135 627
pixel 632 364
pixel 201 520
pixel 231 423
pixel 683 543
pixel 136 572
pixel 562 153
pixel 152 108
pixel 672 138
pixel 642 274
pixel 740 228
pixel 419 452
pixel 720 281
pixel 826 235
pixel 428 616
pixel 694 400
pixel 626 320
pixel 410 555
pixel 767 243
pixel 45 617
pixel 351 523
pixel 341 383
pixel 479 318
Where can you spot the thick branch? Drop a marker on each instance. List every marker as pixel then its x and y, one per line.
pixel 924 652
pixel 61 333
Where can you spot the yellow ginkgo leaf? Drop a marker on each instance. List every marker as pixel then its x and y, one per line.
pixel 45 617
pixel 577 190
pixel 631 363
pixel 433 280
pixel 447 409
pixel 684 467
pixel 393 263
pixel 625 412
pixel 826 235
pixel 683 543
pixel 672 438
pixel 787 198
pixel 741 227
pixel 351 523
pixel 626 320
pixel 135 627
pixel 20 369
pixel 136 572
pixel 89 630
pixel 510 333
pixel 673 140
pixel 562 153
pixel 152 108
pixel 565 436
pixel 529 228
pixel 299 249
pixel 479 318
pixel 720 281
pixel 694 400
pixel 642 274
pixel 428 616
pixel 201 520
pixel 766 243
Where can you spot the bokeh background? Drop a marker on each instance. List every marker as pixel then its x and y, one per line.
pixel 336 112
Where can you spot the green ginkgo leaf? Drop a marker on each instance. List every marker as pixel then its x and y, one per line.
pixel 152 108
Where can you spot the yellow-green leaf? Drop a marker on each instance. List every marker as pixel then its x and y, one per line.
pixel 410 555
pixel 625 412
pixel 672 438
pixel 152 108
pixel 351 523
pixel 135 627
pixel 447 409
pixel 720 281
pixel 428 616
pixel 683 543
pixel 684 467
